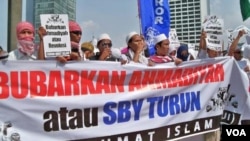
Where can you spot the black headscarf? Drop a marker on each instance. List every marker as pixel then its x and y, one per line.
pixel 179 51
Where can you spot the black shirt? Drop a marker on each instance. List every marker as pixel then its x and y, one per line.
pixel 97 56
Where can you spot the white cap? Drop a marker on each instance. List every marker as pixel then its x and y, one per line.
pixel 171 48
pixel 159 38
pixel 130 35
pixel 104 36
pixel 212 48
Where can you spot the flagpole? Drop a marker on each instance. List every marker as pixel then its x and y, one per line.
pixel 139 16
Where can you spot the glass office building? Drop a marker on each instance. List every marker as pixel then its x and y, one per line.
pixel 187 17
pixel 53 7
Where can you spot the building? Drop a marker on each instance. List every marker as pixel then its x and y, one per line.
pixel 14 15
pixel 53 7
pixel 187 17
pixel 29 10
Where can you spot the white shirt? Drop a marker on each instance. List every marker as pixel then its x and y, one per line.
pixel 17 55
pixel 202 54
pixel 243 63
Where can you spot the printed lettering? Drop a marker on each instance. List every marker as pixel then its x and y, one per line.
pixel 65 119
pixel 122 111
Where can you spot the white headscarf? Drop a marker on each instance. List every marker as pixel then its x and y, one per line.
pixel 171 49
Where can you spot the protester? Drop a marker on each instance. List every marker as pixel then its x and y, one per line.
pixel 182 53
pixel 192 54
pixel 26 48
pixel 146 50
pixel 162 50
pixel 246 52
pixel 41 33
pixel 3 54
pixel 136 49
pixel 87 49
pixel 75 37
pixel 237 52
pixel 172 50
pixel 104 45
pixel 206 51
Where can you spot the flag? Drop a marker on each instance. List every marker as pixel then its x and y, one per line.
pixel 245 9
pixel 154 19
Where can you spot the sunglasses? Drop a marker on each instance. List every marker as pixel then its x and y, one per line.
pixel 106 44
pixel 76 32
pixel 74 49
pixel 237 52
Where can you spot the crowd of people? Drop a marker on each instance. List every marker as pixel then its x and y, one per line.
pixel 135 51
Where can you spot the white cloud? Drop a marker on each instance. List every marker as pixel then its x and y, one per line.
pixel 89 29
pixel 89 26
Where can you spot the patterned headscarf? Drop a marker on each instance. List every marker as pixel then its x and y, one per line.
pixel 22 26
pixel 73 26
pixel 25 43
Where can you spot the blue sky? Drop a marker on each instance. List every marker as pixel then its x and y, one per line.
pixel 115 17
pixel 3 24
pixel 229 10
pixel 119 17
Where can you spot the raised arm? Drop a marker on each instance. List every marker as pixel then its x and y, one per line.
pixel 41 33
pixel 235 42
pixel 203 40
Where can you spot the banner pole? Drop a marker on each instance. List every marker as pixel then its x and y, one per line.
pixel 139 15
